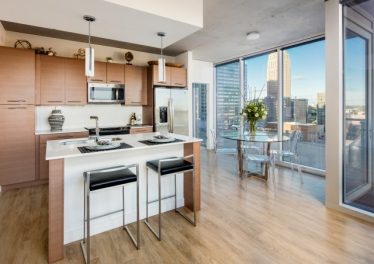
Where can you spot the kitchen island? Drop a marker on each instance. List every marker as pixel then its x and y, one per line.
pixel 67 165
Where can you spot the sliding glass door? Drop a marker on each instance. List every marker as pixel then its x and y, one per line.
pixel 358 188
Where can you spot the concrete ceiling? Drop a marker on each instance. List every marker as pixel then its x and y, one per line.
pixel 227 22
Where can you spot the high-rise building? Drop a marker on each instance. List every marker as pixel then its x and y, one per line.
pixel 300 110
pixel 272 75
pixel 321 108
pixel 272 97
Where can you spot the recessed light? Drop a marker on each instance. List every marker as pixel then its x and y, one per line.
pixel 253 35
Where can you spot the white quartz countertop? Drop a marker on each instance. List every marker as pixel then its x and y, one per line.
pixel 67 130
pixel 68 148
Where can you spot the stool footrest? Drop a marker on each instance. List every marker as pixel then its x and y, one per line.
pixel 106 214
pixel 163 198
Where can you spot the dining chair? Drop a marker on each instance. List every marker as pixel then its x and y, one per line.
pixel 290 153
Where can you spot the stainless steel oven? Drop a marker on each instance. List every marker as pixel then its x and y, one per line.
pixel 106 93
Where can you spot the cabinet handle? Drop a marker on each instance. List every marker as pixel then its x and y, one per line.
pixel 74 101
pixel 97 80
pixel 54 101
pixel 20 107
pixel 115 81
pixel 134 102
pixel 179 83
pixel 15 101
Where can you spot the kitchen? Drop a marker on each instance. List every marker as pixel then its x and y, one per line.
pixel 55 101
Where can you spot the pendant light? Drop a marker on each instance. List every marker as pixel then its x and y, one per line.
pixel 90 53
pixel 161 61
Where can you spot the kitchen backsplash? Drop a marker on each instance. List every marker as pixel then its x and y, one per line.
pixel 79 116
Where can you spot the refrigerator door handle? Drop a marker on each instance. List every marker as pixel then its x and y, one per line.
pixel 171 116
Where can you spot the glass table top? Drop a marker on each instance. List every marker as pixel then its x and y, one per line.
pixel 258 137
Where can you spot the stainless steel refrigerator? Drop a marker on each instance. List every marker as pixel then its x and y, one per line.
pixel 171 110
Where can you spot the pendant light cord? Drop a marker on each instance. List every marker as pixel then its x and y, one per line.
pixel 89 34
pixel 162 48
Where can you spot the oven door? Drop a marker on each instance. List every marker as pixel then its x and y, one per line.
pixel 106 93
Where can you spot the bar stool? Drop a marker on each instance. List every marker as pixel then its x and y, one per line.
pixel 103 179
pixel 170 166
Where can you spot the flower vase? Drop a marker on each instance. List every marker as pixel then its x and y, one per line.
pixel 252 127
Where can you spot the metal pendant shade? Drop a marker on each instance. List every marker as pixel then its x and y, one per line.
pixel 161 61
pixel 90 52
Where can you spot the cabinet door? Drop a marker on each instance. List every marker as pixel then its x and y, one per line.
pixel 155 76
pixel 100 72
pixel 115 73
pixel 52 77
pixel 178 77
pixel 139 130
pixel 17 76
pixel 75 82
pixel 17 144
pixel 136 85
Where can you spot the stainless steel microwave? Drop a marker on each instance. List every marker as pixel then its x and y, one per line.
pixel 106 93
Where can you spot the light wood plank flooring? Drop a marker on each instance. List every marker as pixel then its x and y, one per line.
pixel 240 222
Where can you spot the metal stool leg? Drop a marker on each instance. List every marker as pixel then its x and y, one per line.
pixel 193 222
pixel 85 243
pixel 123 207
pixel 175 188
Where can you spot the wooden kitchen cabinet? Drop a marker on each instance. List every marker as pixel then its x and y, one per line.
pixel 178 77
pixel 51 76
pixel 17 76
pixel 99 71
pixel 75 82
pixel 17 144
pixel 136 85
pixel 140 129
pixel 43 165
pixel 155 76
pixel 115 73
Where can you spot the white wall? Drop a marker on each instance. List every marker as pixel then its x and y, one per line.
pixel 2 35
pixel 67 48
pixel 79 116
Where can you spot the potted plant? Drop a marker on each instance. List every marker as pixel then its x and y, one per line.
pixel 253 111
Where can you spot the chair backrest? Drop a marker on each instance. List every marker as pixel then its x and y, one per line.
pixel 295 137
pixel 214 139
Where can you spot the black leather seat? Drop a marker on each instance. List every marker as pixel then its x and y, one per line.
pixel 170 167
pixel 110 178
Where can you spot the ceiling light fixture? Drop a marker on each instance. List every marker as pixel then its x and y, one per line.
pixel 90 53
pixel 253 35
pixel 161 60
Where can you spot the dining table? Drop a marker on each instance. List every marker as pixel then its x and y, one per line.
pixel 264 137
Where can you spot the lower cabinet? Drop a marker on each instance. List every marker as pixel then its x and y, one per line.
pixel 42 164
pixel 138 130
pixel 17 144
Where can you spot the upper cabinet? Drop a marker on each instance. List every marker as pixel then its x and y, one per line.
pixel 176 77
pixel 115 73
pixel 108 73
pixel 51 76
pixel 17 76
pixel 99 71
pixel 60 81
pixel 155 76
pixel 75 82
pixel 136 85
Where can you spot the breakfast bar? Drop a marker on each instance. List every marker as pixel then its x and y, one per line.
pixel 68 161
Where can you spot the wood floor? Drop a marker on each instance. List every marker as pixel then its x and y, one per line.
pixel 240 222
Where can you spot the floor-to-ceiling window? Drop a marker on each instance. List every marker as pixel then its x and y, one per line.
pixel 358 176
pixel 261 82
pixel 228 98
pixel 304 100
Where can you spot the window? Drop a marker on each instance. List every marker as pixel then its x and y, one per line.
pixel 261 82
pixel 228 102
pixel 304 100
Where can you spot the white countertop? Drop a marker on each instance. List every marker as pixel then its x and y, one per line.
pixel 68 130
pixel 56 149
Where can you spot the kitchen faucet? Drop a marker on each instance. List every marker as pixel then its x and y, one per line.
pixel 97 130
